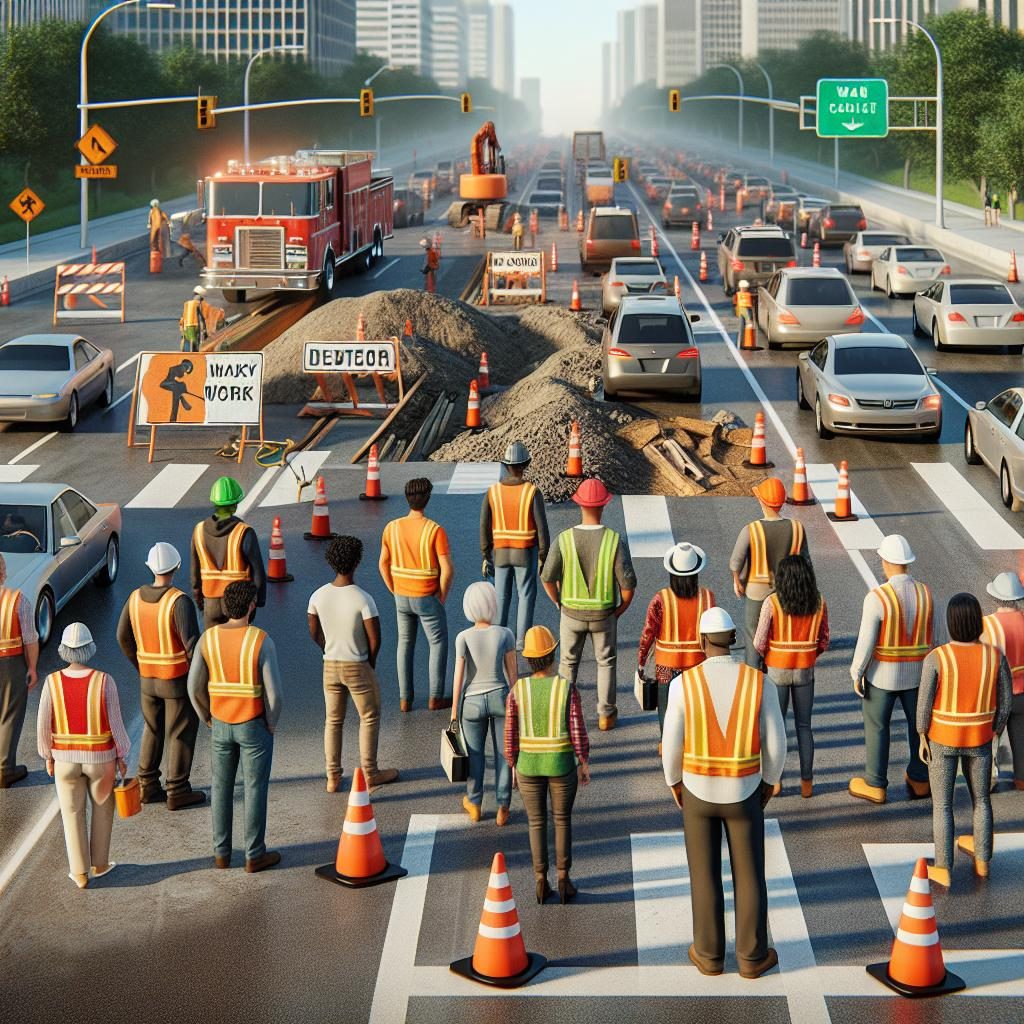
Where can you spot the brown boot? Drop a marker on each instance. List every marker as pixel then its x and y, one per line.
pixel 334 781
pixel 191 798
pixel 405 705
pixel 381 777
pixel 873 794
pixel 608 722
pixel 917 790
pixel 153 795
pixel 501 818
pixel 806 788
pixel 759 967
pixel 704 966
pixel 438 703
pixel 268 860
pixel 222 862
pixel 16 774
pixel 472 809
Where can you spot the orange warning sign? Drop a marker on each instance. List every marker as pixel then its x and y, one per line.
pixel 96 145
pixel 27 205
pixel 171 388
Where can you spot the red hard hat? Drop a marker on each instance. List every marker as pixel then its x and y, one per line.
pixel 592 494
pixel 772 492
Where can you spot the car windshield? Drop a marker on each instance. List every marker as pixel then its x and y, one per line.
pixel 644 268
pixel 766 248
pixel 757 182
pixel 661 181
pixel 290 199
pixel 22 529
pixel 918 256
pixel 422 175
pixel 877 359
pixel 620 226
pixel 980 294
pixel 819 291
pixel 881 238
pixel 234 198
pixel 35 357
pixel 545 197
pixel 653 329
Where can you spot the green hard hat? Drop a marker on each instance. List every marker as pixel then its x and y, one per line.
pixel 226 491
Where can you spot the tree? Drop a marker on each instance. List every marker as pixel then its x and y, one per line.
pixel 1001 137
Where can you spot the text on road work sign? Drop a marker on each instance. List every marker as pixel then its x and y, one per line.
pixel 348 357
pixel 515 262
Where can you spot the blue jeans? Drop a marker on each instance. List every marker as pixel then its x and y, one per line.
pixel 429 613
pixel 878 707
pixel 525 578
pixel 252 744
pixel 482 714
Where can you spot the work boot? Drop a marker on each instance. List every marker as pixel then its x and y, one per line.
pixel 1018 783
pixel 607 722
pixel 966 843
pixel 472 809
pixel 405 705
pixel 16 774
pixel 704 966
pixel 190 798
pixel 860 788
pixel 806 788
pixel 222 862
pixel 940 876
pixel 759 967
pixel 153 795
pixel 501 818
pixel 917 790
pixel 438 703
pixel 334 781
pixel 381 777
pixel 566 890
pixel 268 860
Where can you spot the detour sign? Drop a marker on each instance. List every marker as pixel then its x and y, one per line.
pixel 199 388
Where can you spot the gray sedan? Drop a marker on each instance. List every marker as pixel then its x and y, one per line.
pixel 50 378
pixel 801 305
pixel 902 270
pixel 994 434
pixel 631 275
pixel 860 252
pixel 976 311
pixel 54 541
pixel 868 384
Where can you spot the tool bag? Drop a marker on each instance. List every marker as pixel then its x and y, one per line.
pixel 646 692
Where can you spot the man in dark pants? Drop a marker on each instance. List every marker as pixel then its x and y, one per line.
pixel 721 761
pixel 158 632
pixel 19 650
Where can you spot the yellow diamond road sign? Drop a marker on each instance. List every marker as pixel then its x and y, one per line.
pixel 27 205
pixel 96 145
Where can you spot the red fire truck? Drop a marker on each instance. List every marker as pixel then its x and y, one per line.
pixel 288 223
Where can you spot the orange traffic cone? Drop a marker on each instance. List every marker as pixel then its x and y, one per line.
pixel 5 292
pixel 915 966
pixel 739 200
pixel 94 254
pixel 360 861
pixel 654 242
pixel 843 512
pixel 695 237
pixel 574 463
pixel 575 306
pixel 156 261
pixel 721 199
pixel 554 257
pixel 1012 277
pixel 677 288
pixel 803 240
pixel 407 333
pixel 579 221
pixel 484 374
pixel 816 255
pixel 499 957
pixel 703 273
pixel 277 563
pixel 748 337
pixel 373 492
pixel 320 528
pixel 473 407
pixel 801 493
pixel 758 447
pixel 711 220
pixel 361 328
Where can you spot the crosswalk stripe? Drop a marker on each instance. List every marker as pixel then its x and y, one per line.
pixel 661 893
pixel 862 535
pixel 285 491
pixel 169 486
pixel 474 477
pixel 15 474
pixel 647 525
pixel 986 526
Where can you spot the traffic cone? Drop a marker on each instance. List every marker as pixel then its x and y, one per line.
pixel 1012 277
pixel 407 333
pixel 575 306
pixel 703 273
pixel 816 255
pixel 373 492
pixel 654 242
pixel 94 255
pixel 484 373
pixel 277 563
pixel 721 199
pixel 739 201
pixel 695 236
pixel 360 861
pixel 748 337
pixel 916 967
pixel 677 288
pixel 499 957
pixel 473 407
pixel 156 261
pixel 803 240
pixel 361 328
pixel 758 447
pixel 554 257
pixel 320 528
pixel 711 220
pixel 579 221
pixel 801 493
pixel 843 511
pixel 574 463
pixel 5 292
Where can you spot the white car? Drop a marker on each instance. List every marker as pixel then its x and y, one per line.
pixel 902 270
pixel 994 435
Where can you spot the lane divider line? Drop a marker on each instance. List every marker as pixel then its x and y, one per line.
pixel 32 447
pixel 387 266
pixel 128 362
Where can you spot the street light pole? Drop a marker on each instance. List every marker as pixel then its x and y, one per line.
pixel 739 83
pixel 771 113
pixel 245 90
pixel 380 70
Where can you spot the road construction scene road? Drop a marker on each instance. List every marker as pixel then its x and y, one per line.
pixel 523 526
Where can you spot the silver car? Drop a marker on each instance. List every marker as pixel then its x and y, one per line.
pixel 753 254
pixel 902 270
pixel 969 311
pixel 50 378
pixel 868 384
pixel 54 541
pixel 801 305
pixel 860 252
pixel 631 275
pixel 994 434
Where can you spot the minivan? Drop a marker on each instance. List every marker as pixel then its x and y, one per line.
pixel 611 231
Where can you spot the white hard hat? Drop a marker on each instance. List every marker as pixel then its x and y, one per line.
pixel 744 284
pixel 199 290
pixel 684 559
pixel 896 550
pixel 76 636
pixel 1006 587
pixel 424 243
pixel 163 558
pixel 154 202
pixel 716 620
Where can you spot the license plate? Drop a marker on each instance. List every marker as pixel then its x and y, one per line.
pixel 986 321
pixel 924 272
pixel 653 365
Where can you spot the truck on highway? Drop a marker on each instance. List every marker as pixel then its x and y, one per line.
pixel 600 187
pixel 588 146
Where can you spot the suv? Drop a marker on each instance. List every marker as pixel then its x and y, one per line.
pixel 753 254
pixel 683 205
pixel 836 223
pixel 611 231
pixel 408 208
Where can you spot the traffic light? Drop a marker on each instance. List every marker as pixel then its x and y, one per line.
pixel 366 103
pixel 673 100
pixel 206 112
pixel 467 103
pixel 620 168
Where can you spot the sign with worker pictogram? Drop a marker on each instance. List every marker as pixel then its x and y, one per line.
pixel 852 108
pixel 96 171
pixel 353 360
pixel 27 205
pixel 515 277
pixel 96 145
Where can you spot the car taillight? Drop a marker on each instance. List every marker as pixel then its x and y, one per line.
pixel 785 317
pixel 1017 318
pixel 856 317
pixel 635 244
pixel 791 263
pixel 901 270
pixel 688 353
pixel 956 318
pixel 737 265
pixel 828 222
pixel 618 284
pixel 863 254
pixel 619 353
pixel 947 269
pixel 399 203
pixel 861 224
pixel 839 400
pixel 932 402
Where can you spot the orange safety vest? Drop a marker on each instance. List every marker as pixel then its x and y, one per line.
pixel 677 644
pixel 233 658
pixel 78 716
pixel 706 749
pixel 759 569
pixel 159 649
pixel 191 314
pixel 215 578
pixel 1005 630
pixel 895 643
pixel 433 259
pixel 965 698
pixel 414 565
pixel 792 639
pixel 512 524
pixel 11 644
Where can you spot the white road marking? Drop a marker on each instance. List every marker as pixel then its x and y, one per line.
pixel 474 477
pixel 862 567
pixel 648 525
pixel 21 854
pixel 128 362
pixel 117 401
pixel 661 895
pixel 823 479
pixel 15 474
pixel 169 486
pixel 255 491
pixel 32 447
pixel 988 529
pixel 285 491
pixel 387 266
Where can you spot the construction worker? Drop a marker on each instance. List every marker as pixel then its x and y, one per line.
pixel 589 577
pixel 724 748
pixel 235 685
pixel 1005 629
pixel 194 329
pixel 158 631
pixel 534 228
pixel 895 637
pixel 514 538
pixel 759 548
pixel 19 653
pixel 997 209
pixel 82 738
pixel 187 222
pixel 744 302
pixel 987 202
pixel 517 232
pixel 158 224
pixel 431 264
pixel 964 703
pixel 416 565
pixel 224 549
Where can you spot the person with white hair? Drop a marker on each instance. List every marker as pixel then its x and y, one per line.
pixel 158 224
pixel 485 670
pixel 19 650
pixel 82 738
pixel 1004 629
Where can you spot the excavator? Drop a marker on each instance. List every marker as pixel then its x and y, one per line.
pixel 485 187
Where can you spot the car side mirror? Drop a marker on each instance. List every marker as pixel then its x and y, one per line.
pixel 71 541
pixel 695 318
pixel 981 406
pixel 721 238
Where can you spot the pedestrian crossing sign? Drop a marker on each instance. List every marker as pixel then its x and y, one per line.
pixel 27 205
pixel 96 145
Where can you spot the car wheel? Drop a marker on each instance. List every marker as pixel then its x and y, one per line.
pixel 971 456
pixel 801 398
pixel 71 420
pixel 940 345
pixel 44 617
pixel 823 432
pixel 106 576
pixel 108 392
pixel 915 326
pixel 1010 500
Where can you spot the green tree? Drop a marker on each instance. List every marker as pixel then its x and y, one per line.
pixel 1001 137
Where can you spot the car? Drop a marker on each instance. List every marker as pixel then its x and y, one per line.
pixel 425 183
pixel 778 194
pixel 969 311
pixel 835 223
pixel 54 541
pixel 610 231
pixel 444 176
pixel 549 183
pixel 753 254
pixel 801 305
pixel 755 189
pixel 902 270
pixel 408 208
pixel 631 275
pixel 648 345
pixel 658 187
pixel 551 165
pixel 683 205
pixel 51 378
pixel 868 384
pixel 782 208
pixel 860 251
pixel 994 435
pixel 547 204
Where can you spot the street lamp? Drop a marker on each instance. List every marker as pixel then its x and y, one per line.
pixel 83 99
pixel 245 89
pixel 940 216
pixel 739 83
pixel 771 113
pixel 380 70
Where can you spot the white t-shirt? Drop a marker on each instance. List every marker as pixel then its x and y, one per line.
pixel 341 611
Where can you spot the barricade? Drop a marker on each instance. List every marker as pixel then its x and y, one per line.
pixel 513 277
pixel 353 360
pixel 100 283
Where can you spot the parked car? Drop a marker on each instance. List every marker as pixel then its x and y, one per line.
pixel 868 384
pixel 648 345
pixel 54 541
pixel 860 251
pixel 610 231
pixel 753 254
pixel 969 311
pixel 801 305
pixel 836 223
pixel 683 205
pixel 51 378
pixel 994 435
pixel 631 275
pixel 408 208
pixel 547 203
pixel 903 270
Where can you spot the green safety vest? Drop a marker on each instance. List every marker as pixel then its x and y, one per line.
pixel 545 747
pixel 575 593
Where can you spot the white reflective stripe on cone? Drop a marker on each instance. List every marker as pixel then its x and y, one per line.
pixel 913 939
pixel 359 828
pixel 920 885
pixel 921 913
pixel 499 881
pixel 359 798
pixel 499 906
pixel 499 933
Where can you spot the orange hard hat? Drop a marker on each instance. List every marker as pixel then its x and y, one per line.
pixel 592 494
pixel 771 492
pixel 539 642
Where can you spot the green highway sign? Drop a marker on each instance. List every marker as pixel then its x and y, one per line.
pixel 853 108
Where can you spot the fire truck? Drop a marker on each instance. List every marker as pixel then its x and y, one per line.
pixel 288 223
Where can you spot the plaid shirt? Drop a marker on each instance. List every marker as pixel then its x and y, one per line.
pixel 664 674
pixel 577 728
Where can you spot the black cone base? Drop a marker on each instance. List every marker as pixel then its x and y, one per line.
pixel 534 965
pixel 287 578
pixel 950 983
pixel 391 873
pixel 800 504
pixel 373 497
pixel 313 536
pixel 841 519
pixel 758 465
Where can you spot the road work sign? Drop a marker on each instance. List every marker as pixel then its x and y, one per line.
pixel 354 361
pixel 853 108
pixel 96 145
pixel 96 171
pixel 349 357
pixel 515 277
pixel 27 205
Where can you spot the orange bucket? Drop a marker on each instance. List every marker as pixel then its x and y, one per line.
pixel 128 798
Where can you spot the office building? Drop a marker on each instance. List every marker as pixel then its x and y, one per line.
pixel 15 13
pixel 448 43
pixel 646 43
pixel 625 53
pixel 503 26
pixel 678 55
pixel 881 37
pixel 529 93
pixel 479 40
pixel 607 97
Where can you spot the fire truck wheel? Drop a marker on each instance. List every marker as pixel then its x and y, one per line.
pixel 327 277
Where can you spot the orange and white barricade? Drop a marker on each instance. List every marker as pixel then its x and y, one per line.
pixel 102 285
